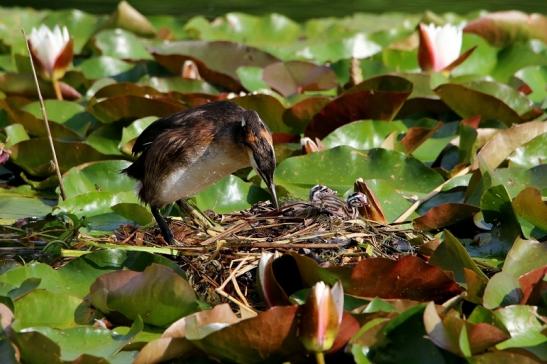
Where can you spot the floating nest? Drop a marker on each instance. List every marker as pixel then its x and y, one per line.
pixel 220 263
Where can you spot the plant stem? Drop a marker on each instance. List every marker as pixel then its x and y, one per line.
pixel 57 89
pixel 320 358
pixel 46 122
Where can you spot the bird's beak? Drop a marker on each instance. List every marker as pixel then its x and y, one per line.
pixel 271 187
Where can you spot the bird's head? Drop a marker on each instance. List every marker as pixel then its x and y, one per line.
pixel 258 141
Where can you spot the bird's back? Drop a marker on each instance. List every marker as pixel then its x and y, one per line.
pixel 174 151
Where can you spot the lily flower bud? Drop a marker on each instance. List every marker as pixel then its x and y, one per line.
pixel 51 50
pixel 321 317
pixel 440 47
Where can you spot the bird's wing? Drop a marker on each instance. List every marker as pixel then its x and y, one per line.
pixel 220 112
pixel 147 137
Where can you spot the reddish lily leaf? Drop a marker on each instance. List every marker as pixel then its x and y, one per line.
pixel 158 294
pixel 348 328
pixel 530 206
pixel 426 107
pixel 472 121
pixel 300 114
pixel 533 286
pixel 409 277
pixel 126 88
pixel 416 136
pixel 378 98
pixel 270 337
pixel 462 58
pixel 173 342
pixel 505 141
pixel 445 332
pixel 373 209
pixel 217 62
pixel 468 102
pixel 505 357
pixel 505 27
pixel 133 107
pixel 294 77
pixel 272 293
pixel 445 215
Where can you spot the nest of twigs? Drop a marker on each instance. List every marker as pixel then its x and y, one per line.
pixel 220 263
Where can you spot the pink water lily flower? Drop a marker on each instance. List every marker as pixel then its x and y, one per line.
pixel 440 47
pixel 51 50
pixel 321 317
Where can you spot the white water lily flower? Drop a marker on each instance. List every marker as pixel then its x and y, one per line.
pixel 439 46
pixel 51 50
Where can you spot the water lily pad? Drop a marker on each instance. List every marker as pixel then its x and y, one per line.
pixel 341 166
pixel 131 132
pixel 43 308
pixel 158 294
pixel 531 154
pixel 289 78
pixel 69 155
pixel 485 99
pixel 504 27
pixel 103 66
pixel 104 176
pixel 121 44
pixel 79 343
pixel 228 195
pixel 217 61
pixel 366 134
pixel 377 98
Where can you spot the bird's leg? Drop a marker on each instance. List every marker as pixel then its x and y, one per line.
pixel 199 217
pixel 164 228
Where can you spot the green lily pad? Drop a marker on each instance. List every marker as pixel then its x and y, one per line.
pixel 392 175
pixel 254 30
pixel 105 138
pixel 228 195
pixel 131 132
pixel 75 344
pixel 182 85
pixel 121 44
pixel 158 294
pixel 43 308
pixel 536 78
pixel 366 134
pixel 96 203
pixel 103 66
pixel 103 176
pixel 251 78
pixel 15 133
pixel 530 154
pixel 21 202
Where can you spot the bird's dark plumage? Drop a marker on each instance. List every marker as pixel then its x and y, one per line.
pixel 180 154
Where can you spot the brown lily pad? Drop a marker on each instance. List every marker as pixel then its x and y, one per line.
pixel 217 61
pixel 378 98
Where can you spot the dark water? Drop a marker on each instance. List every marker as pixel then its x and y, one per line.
pixel 296 9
